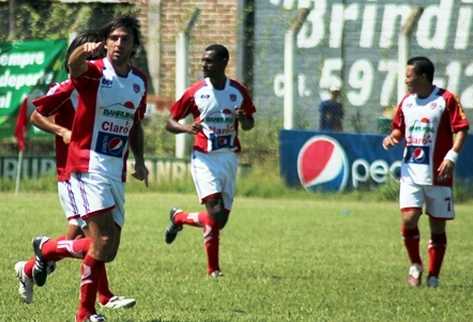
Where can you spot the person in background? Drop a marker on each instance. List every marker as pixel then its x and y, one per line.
pixel 331 112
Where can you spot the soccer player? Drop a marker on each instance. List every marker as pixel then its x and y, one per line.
pixel 111 105
pixel 434 127
pixel 218 106
pixel 60 103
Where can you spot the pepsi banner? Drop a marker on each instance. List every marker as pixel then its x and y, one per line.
pixel 321 161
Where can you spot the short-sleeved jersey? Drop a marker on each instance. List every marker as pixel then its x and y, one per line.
pixel 108 107
pixel 427 125
pixel 215 110
pixel 60 101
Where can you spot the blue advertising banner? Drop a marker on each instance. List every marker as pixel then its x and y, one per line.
pixel 338 161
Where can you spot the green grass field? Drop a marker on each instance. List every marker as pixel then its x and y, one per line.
pixel 283 259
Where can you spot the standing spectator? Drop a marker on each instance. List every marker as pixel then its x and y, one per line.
pixel 111 105
pixel 331 112
pixel 218 105
pixel 434 127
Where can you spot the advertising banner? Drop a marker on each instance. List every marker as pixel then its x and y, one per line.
pixel 321 161
pixel 27 68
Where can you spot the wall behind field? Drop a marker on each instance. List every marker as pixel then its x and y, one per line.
pixel 354 43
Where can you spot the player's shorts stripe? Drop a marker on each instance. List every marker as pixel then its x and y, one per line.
pixel 83 193
pixel 72 200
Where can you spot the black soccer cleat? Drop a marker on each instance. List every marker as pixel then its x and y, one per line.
pixel 172 230
pixel 40 268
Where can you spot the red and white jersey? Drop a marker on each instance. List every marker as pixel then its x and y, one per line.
pixel 428 125
pixel 215 110
pixel 60 101
pixel 109 106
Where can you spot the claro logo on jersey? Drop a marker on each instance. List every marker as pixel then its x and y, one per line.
pixel 322 164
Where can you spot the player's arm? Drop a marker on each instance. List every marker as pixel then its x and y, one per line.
pixel 137 147
pixel 247 121
pixel 78 60
pixel 175 127
pixel 392 139
pixel 46 124
pixel 448 164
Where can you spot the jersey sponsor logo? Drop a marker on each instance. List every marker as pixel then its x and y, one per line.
pixel 422 127
pixel 106 83
pixel 221 141
pixel 417 154
pixel 136 88
pixel 111 144
pixel 322 164
pixel 110 127
pixel 129 104
pixel 122 115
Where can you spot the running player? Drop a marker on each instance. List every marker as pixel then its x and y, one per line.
pixel 218 105
pixel 434 127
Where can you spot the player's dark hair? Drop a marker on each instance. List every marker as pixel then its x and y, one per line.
pixel 220 51
pixel 422 65
pixel 82 38
pixel 128 22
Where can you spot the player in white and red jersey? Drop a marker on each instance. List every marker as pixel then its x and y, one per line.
pixel 218 105
pixel 111 104
pixel 434 127
pixel 60 103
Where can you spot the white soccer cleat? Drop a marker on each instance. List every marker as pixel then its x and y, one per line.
pixel 415 275
pixel 216 274
pixel 25 287
pixel 95 318
pixel 119 302
pixel 432 281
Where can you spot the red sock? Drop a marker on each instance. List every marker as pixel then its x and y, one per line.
pixel 411 242
pixel 90 270
pixel 211 241
pixel 102 287
pixel 189 218
pixel 436 250
pixel 28 269
pixel 57 249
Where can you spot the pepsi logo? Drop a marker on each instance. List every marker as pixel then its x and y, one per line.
pixel 418 154
pixel 115 144
pixel 322 165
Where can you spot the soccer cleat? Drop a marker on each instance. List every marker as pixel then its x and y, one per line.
pixel 173 229
pixel 93 318
pixel 40 268
pixel 216 274
pixel 415 275
pixel 432 281
pixel 25 288
pixel 119 302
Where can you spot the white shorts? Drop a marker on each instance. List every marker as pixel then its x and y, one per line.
pixel 213 173
pixel 68 203
pixel 94 193
pixel 438 199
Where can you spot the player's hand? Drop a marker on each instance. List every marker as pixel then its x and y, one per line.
pixel 445 170
pixel 66 136
pixel 141 173
pixel 194 128
pixel 240 114
pixel 389 142
pixel 91 48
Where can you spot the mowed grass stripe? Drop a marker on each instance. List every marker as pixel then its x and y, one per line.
pixel 283 259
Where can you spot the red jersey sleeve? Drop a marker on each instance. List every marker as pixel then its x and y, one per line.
pixel 54 99
pixel 184 106
pixel 140 114
pixel 398 120
pixel 247 104
pixel 458 119
pixel 91 76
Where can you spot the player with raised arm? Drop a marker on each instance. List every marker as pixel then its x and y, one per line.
pixel 111 105
pixel 218 106
pixel 60 103
pixel 434 127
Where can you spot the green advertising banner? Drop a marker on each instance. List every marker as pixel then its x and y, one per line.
pixel 27 68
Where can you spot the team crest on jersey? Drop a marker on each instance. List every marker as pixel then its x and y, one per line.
pixel 106 82
pixel 433 105
pixel 233 97
pixel 136 88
